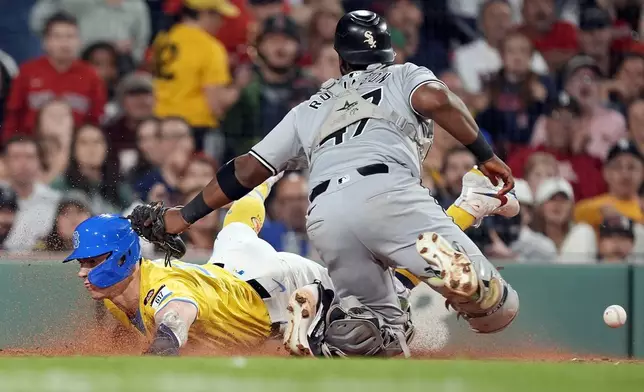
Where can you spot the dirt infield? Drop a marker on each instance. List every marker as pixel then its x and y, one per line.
pixel 107 342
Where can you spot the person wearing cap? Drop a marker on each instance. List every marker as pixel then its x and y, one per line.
pixel 616 240
pixel 277 85
pixel 624 173
pixel 559 123
pixel 480 58
pixel 531 245
pixel 599 127
pixel 191 71
pixel 556 39
pixel 135 99
pixel 595 37
pixel 8 210
pixel 553 217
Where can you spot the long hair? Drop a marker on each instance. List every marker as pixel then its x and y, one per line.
pixel 111 177
pixel 53 242
pixel 143 165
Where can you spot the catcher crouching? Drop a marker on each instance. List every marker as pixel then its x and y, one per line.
pixel 239 297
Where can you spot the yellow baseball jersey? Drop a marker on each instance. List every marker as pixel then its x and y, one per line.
pixel 590 210
pixel 229 310
pixel 185 60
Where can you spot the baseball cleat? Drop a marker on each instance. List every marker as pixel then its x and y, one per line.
pixel 454 269
pixel 480 198
pixel 302 309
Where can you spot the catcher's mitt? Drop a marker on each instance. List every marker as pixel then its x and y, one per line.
pixel 147 222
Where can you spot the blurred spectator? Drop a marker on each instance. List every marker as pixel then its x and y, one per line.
pixel 456 163
pixel 104 58
pixel 636 123
pixel 554 200
pixel 529 246
pixel 599 128
pixel 176 135
pixel 321 28
pixel 135 97
pixel 561 125
pixel 628 83
pixel 479 60
pixel 624 173
pixel 278 85
pixel 407 16
pixel 516 94
pixel 125 23
pixel 36 201
pixel 616 240
pixel 54 131
pixel 199 171
pixel 95 173
pixel 286 231
pixel 177 146
pixel 236 33
pixel 58 74
pixel 8 71
pixel 326 65
pixel 8 210
pixel 201 235
pixel 71 212
pixel 595 37
pixel 191 74
pixel 538 167
pixel 555 39
pixel 149 153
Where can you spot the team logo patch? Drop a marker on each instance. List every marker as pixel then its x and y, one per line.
pixel 160 296
pixel 76 239
pixel 369 40
pixel 148 297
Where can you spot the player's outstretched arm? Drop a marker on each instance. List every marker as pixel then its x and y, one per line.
pixel 436 101
pixel 173 323
pixel 233 181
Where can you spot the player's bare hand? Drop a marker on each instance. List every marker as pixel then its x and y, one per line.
pixel 495 169
pixel 174 222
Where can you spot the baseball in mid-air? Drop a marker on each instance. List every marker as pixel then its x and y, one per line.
pixel 615 316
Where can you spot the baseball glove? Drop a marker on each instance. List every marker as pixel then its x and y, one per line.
pixel 147 222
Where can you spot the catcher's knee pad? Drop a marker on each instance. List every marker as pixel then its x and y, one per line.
pixel 500 315
pixel 352 329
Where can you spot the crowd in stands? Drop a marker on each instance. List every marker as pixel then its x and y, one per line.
pixel 107 104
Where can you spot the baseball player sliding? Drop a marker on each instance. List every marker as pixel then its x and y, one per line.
pixel 364 137
pixel 239 298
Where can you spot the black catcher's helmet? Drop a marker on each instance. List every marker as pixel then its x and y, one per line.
pixel 362 38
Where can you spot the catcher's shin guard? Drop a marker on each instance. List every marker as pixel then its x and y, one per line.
pixel 471 285
pixel 349 328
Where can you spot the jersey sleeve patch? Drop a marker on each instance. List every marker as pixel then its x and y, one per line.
pixel 161 295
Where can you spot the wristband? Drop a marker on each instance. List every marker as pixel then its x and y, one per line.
pixel 164 343
pixel 481 148
pixel 195 209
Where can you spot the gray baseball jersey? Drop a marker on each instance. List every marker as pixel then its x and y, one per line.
pixel 398 136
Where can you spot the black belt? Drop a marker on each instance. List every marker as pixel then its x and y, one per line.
pixel 376 168
pixel 253 283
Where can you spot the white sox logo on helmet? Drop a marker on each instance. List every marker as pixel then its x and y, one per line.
pixel 76 239
pixel 369 39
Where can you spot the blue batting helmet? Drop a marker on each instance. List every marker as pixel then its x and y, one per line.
pixel 111 235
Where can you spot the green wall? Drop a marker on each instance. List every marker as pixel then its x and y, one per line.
pixel 561 308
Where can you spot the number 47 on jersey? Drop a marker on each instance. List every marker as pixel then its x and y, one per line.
pixel 338 137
